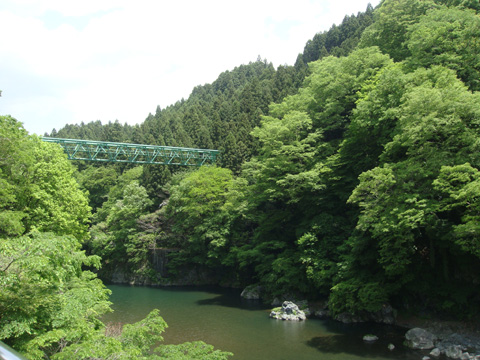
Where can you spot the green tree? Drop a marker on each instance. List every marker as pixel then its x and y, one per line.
pixel 50 307
pixel 399 219
pixel 118 239
pixel 97 180
pixel 294 181
pixel 40 192
pixel 339 40
pixel 373 122
pixel 392 20
pixel 154 179
pixel 448 37
pixel 122 225
pixel 463 4
pixel 116 191
pixel 47 302
pixel 196 210
pixel 114 132
pixel 459 187
pixel 13 158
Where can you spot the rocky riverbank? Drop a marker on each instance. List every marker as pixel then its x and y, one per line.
pixel 454 339
pixel 434 337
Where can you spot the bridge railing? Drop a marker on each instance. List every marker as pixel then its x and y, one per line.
pixel 7 353
pixel 102 151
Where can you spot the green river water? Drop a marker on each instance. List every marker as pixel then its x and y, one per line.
pixel 220 317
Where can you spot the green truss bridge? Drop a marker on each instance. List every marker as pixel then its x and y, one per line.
pixel 134 153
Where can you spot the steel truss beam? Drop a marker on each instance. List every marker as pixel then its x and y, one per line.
pixel 134 153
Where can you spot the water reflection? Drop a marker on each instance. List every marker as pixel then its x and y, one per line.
pixel 232 299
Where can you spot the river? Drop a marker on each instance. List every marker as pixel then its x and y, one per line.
pixel 220 317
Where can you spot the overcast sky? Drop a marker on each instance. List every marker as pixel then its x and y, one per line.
pixel 63 61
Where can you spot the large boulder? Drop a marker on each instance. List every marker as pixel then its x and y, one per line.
pixel 252 292
pixel 348 318
pixel 386 315
pixel 435 352
pixel 288 311
pixel 454 351
pixel 418 338
pixel 464 341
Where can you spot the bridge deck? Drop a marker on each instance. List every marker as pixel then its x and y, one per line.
pixel 134 153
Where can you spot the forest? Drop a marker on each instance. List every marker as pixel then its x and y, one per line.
pixel 352 176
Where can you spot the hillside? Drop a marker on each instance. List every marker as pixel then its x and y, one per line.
pixel 354 154
pixel 352 177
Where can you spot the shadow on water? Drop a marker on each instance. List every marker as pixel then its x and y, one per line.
pixel 348 338
pixel 190 288
pixel 227 300
pixel 210 289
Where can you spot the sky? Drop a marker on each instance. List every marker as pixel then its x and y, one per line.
pixel 64 62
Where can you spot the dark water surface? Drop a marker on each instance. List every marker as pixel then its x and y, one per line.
pixel 220 317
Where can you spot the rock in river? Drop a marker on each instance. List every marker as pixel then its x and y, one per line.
pixel 252 292
pixel 370 338
pixel 288 311
pixel 417 338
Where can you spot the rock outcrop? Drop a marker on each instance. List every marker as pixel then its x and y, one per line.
pixel 252 292
pixel 453 346
pixel 288 311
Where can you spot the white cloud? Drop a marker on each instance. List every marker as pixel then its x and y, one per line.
pixel 128 57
